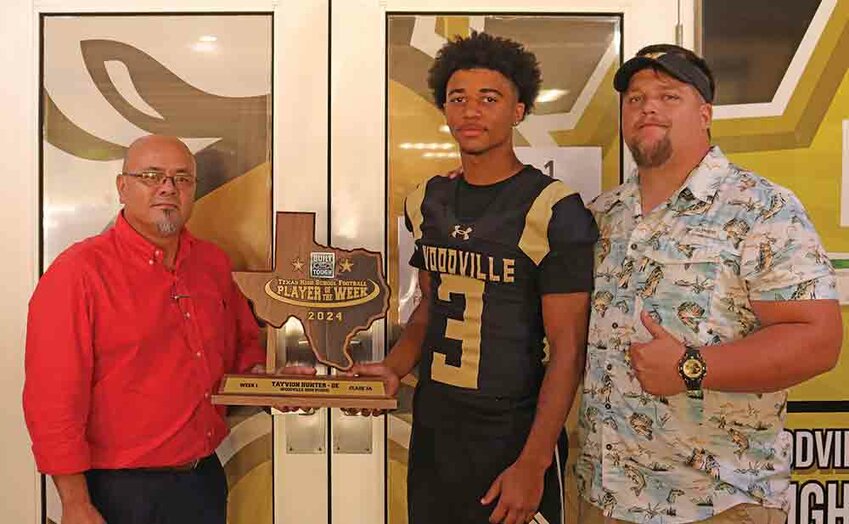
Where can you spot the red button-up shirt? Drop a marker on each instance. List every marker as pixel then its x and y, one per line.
pixel 122 354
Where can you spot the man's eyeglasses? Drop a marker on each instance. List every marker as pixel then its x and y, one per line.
pixel 157 178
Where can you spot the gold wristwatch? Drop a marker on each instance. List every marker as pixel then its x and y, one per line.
pixel 692 368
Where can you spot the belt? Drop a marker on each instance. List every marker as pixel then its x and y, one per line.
pixel 179 468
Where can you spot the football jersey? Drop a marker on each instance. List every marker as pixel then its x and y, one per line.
pixel 488 274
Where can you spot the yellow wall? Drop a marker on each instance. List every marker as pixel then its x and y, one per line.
pixel 807 159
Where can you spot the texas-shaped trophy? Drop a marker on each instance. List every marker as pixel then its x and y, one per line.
pixel 334 293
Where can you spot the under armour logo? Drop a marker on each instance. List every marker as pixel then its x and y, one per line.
pixel 539 519
pixel 460 232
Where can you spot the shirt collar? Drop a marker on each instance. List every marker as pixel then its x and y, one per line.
pixel 702 183
pixel 704 180
pixel 630 189
pixel 145 248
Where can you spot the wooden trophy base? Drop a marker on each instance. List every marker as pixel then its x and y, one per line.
pixel 304 391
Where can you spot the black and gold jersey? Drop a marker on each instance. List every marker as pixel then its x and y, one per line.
pixel 531 236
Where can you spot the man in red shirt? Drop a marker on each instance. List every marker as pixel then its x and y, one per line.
pixel 129 333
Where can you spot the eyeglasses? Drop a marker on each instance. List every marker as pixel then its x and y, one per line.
pixel 157 178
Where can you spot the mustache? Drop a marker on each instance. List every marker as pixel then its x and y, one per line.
pixel 651 122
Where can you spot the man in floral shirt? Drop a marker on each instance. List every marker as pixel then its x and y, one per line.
pixel 713 295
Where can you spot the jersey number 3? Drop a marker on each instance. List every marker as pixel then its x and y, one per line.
pixel 467 331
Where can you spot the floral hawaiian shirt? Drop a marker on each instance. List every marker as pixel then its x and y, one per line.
pixel 726 238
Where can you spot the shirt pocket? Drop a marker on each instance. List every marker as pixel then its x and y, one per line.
pixel 610 298
pixel 217 325
pixel 677 284
pixel 211 306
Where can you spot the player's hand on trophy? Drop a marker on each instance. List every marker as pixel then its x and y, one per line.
pixel 374 369
pixel 518 490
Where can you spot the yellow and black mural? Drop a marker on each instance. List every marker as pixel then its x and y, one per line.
pixel 207 79
pixel 798 137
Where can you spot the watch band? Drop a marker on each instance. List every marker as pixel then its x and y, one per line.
pixel 692 369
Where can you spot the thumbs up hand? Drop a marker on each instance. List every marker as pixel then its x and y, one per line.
pixel 655 363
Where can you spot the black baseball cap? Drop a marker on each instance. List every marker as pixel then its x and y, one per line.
pixel 675 64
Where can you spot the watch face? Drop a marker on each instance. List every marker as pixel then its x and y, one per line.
pixel 692 368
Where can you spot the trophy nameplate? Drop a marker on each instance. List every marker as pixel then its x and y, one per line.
pixel 334 293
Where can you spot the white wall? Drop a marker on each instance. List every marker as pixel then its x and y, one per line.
pixel 18 226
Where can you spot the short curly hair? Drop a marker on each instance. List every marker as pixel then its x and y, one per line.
pixel 484 51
